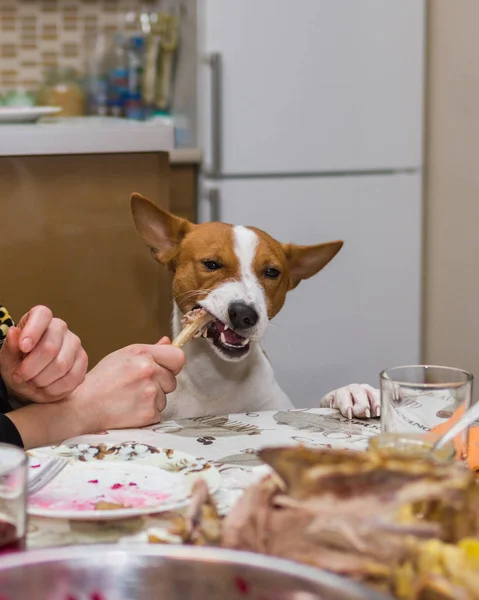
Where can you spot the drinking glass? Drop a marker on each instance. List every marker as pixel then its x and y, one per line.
pixel 13 497
pixel 417 398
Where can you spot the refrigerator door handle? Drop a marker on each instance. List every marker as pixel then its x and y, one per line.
pixel 214 199
pixel 215 62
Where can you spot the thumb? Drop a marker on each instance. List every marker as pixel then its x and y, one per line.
pixel 165 341
pixel 10 354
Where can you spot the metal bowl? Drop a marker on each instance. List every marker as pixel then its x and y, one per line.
pixel 147 572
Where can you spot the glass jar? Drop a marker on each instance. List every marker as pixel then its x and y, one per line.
pixel 415 446
pixel 62 88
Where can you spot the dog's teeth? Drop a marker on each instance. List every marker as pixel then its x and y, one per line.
pixel 222 338
pixel 226 327
pixel 245 341
pixel 205 333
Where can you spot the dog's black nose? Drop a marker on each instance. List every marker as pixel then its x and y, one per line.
pixel 242 316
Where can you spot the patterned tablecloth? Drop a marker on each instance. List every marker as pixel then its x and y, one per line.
pixel 230 442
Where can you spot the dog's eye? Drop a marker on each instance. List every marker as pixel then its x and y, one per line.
pixel 272 273
pixel 212 265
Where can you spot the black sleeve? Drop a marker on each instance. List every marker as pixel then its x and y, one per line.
pixel 8 432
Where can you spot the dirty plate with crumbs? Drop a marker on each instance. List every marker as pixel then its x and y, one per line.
pixel 118 481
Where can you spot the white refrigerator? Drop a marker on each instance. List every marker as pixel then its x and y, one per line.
pixel 310 119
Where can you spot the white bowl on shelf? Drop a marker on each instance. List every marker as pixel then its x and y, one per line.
pixel 26 114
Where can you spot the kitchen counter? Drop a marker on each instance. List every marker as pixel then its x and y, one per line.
pixel 186 156
pixel 93 135
pixel 85 137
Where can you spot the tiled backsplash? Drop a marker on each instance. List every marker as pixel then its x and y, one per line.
pixel 38 34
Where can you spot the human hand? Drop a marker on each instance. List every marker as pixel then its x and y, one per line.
pixel 128 388
pixel 41 360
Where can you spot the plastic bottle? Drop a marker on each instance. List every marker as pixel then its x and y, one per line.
pixel 118 78
pixel 96 80
pixel 134 102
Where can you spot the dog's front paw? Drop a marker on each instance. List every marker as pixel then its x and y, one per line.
pixel 358 400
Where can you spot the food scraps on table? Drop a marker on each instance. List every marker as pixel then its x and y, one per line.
pixel 400 524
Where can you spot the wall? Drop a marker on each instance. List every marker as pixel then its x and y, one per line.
pixel 451 292
pixel 37 34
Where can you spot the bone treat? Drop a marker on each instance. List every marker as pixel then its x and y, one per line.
pixel 194 323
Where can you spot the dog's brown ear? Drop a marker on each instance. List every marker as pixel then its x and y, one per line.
pixel 161 231
pixel 306 261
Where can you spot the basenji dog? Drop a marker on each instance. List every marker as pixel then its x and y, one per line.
pixel 241 275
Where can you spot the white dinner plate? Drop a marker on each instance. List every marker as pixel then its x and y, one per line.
pixel 108 481
pixel 24 114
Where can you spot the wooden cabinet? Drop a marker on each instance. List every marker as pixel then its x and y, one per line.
pixel 67 240
pixel 183 191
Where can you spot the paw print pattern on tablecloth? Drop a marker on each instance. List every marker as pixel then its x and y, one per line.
pixel 206 440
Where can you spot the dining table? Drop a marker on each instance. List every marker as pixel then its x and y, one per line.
pixel 229 442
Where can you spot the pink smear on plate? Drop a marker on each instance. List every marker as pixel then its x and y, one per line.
pixel 148 498
pixel 135 487
pixel 35 466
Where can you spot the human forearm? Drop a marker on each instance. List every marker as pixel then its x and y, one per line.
pixel 43 424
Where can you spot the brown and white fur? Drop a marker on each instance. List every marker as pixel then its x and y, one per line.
pixel 241 275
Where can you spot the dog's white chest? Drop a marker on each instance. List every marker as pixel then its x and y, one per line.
pixel 207 388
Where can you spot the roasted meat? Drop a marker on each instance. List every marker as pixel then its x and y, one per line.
pixel 352 513
pixel 397 523
pixel 200 525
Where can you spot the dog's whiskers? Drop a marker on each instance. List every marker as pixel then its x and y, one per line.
pixel 189 294
pixel 194 296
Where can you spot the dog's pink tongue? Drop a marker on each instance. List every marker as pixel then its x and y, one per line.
pixel 233 338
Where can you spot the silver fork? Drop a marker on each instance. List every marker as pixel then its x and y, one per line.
pixel 54 467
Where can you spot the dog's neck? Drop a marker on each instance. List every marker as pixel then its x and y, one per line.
pixel 209 385
pixel 205 371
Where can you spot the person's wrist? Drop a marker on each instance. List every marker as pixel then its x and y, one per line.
pixel 86 417
pixel 42 424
